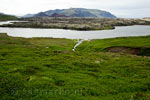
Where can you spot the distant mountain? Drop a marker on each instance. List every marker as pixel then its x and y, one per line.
pixel 41 14
pixel 29 15
pixel 1 13
pixel 58 15
pixel 73 12
pixel 4 17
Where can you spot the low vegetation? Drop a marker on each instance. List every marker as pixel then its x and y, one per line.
pixel 130 45
pixel 77 23
pixel 47 69
pixel 7 17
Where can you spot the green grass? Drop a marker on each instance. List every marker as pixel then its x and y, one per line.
pixel 102 44
pixel 47 69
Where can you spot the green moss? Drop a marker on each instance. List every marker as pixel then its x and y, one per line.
pixel 30 70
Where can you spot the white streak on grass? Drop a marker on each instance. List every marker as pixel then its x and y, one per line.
pixel 79 42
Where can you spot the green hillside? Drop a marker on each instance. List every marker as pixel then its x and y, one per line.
pixel 4 17
pixel 47 69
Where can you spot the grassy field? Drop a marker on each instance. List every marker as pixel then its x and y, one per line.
pixel 47 69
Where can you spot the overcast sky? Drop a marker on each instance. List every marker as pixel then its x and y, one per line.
pixel 121 8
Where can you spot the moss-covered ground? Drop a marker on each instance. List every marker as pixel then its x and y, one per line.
pixel 47 69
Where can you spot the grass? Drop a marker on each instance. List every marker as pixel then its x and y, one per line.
pixel 102 44
pixel 47 69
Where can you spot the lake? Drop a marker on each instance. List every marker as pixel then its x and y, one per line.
pixel 10 22
pixel 123 31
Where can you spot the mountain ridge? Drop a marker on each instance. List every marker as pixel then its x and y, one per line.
pixel 74 12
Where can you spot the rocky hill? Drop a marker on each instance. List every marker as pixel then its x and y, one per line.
pixel 74 12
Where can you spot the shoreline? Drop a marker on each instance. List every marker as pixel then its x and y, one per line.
pixel 79 24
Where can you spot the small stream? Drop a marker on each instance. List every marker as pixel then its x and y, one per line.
pixel 79 42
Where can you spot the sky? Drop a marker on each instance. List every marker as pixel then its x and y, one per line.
pixel 120 8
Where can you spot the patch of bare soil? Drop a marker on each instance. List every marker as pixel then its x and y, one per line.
pixel 141 51
pixel 57 52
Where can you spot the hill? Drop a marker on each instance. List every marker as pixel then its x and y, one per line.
pixel 73 12
pixel 4 17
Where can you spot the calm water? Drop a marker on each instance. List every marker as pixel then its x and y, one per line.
pixel 9 22
pixel 136 30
